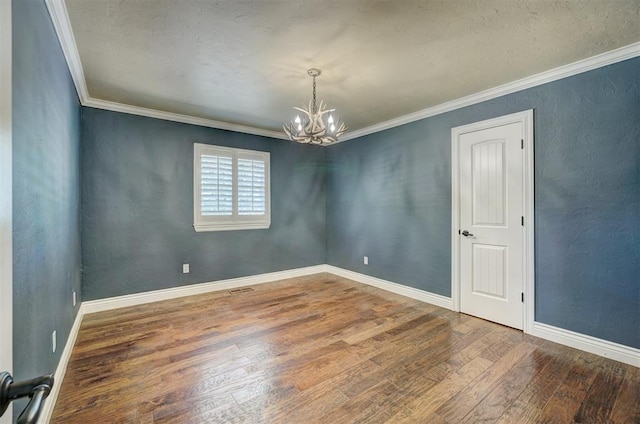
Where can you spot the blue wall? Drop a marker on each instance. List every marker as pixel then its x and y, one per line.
pixel 46 189
pixel 137 207
pixel 389 197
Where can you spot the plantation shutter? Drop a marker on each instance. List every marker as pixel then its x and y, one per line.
pixel 251 186
pixel 216 185
pixel 231 189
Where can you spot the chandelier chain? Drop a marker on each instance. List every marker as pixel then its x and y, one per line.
pixel 319 124
pixel 314 95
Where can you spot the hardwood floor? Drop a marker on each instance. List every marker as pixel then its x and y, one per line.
pixel 324 349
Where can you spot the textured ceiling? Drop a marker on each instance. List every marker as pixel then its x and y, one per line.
pixel 245 62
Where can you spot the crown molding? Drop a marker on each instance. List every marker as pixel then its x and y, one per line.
pixel 594 62
pixel 177 117
pixel 60 18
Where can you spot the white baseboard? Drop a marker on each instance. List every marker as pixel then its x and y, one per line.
pixel 607 349
pixel 615 351
pixel 100 305
pixel 611 350
pixel 50 402
pixel 421 295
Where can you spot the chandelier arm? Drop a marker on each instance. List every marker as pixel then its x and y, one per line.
pixel 314 128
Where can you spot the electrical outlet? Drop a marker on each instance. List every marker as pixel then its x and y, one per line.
pixel 74 298
pixel 366 260
pixel 185 268
pixel 54 341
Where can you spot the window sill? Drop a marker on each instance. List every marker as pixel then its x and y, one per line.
pixel 200 228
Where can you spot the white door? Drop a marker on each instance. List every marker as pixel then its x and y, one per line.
pixel 491 232
pixel 6 263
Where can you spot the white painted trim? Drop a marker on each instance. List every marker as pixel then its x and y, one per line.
pixel 455 222
pixel 590 344
pixel 107 304
pixel 607 349
pixel 413 293
pixel 92 306
pixel 526 119
pixel 575 68
pixel 235 221
pixel 177 117
pixel 529 224
pixel 235 226
pixel 50 402
pixel 6 190
pixel 60 18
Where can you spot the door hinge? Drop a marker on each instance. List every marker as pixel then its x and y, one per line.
pixel 522 143
pixel 522 297
pixel 522 221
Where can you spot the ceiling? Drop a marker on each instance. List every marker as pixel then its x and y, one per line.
pixel 245 62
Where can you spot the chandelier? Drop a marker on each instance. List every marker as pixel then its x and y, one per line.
pixel 315 127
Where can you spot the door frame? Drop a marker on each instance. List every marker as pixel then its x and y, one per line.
pixel 6 190
pixel 526 119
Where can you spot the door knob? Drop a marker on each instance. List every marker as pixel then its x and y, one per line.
pixel 467 233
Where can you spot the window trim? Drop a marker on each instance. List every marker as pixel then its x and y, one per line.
pixel 235 221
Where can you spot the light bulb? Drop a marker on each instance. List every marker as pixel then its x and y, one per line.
pixel 331 120
pixel 299 127
pixel 297 121
pixel 333 127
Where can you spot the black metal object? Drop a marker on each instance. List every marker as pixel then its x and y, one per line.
pixel 467 233
pixel 37 389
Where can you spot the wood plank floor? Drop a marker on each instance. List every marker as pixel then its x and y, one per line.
pixel 323 349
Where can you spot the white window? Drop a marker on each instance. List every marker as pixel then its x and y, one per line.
pixel 230 189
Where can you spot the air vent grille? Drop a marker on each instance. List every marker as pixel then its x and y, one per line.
pixel 241 290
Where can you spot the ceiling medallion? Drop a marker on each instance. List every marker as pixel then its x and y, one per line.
pixel 315 127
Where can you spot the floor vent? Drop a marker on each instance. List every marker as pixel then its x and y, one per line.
pixel 241 290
